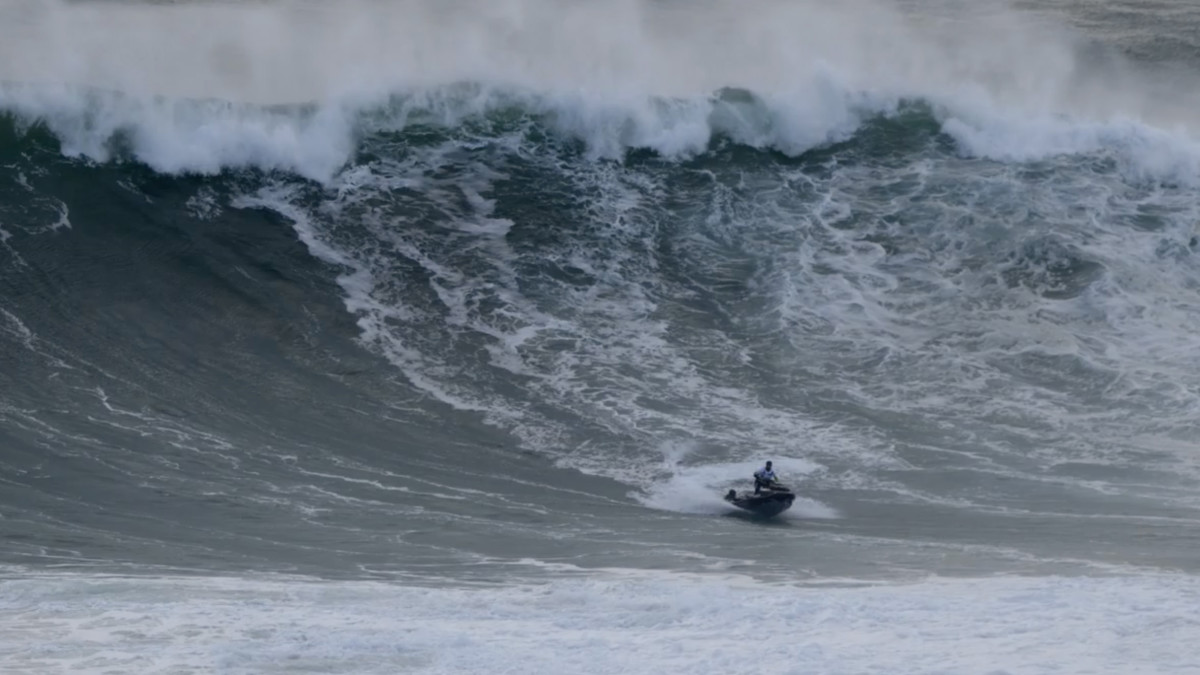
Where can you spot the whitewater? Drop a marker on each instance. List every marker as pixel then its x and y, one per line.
pixel 409 336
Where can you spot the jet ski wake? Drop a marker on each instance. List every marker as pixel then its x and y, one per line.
pixel 770 497
pixel 771 500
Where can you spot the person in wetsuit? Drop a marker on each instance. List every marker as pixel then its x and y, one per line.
pixel 763 478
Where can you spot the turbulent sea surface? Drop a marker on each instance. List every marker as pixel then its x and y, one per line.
pixel 415 336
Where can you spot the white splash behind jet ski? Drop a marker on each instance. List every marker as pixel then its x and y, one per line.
pixel 771 500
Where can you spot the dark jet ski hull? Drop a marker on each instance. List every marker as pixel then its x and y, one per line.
pixel 767 503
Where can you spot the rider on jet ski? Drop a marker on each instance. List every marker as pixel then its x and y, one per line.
pixel 764 477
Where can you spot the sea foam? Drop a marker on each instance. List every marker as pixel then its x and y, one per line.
pixel 199 88
pixel 610 622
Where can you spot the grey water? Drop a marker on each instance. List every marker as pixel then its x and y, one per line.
pixel 465 320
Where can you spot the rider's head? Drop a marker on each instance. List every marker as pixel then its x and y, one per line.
pixel 768 465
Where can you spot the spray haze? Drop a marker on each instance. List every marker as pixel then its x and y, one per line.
pixel 202 87
pixel 411 316
pixel 301 52
pixel 610 50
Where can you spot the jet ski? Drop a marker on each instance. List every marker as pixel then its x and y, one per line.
pixel 771 500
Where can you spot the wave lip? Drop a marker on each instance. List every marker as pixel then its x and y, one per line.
pixel 317 141
pixel 186 136
pixel 200 88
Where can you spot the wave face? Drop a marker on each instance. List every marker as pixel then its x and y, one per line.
pixel 444 293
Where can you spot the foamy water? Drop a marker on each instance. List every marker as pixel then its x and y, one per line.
pixel 187 83
pixel 608 623
pixel 472 312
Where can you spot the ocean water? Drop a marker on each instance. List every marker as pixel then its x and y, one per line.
pixel 416 336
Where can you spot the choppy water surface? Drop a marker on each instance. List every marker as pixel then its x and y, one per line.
pixel 392 335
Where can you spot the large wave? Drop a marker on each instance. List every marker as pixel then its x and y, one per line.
pixel 929 261
pixel 199 87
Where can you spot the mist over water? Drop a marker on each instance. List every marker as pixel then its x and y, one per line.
pixel 483 306
pixel 188 81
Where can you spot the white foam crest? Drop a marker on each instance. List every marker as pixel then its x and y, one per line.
pixel 205 136
pixel 604 622
pixel 173 135
pixel 1145 152
pixel 190 81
